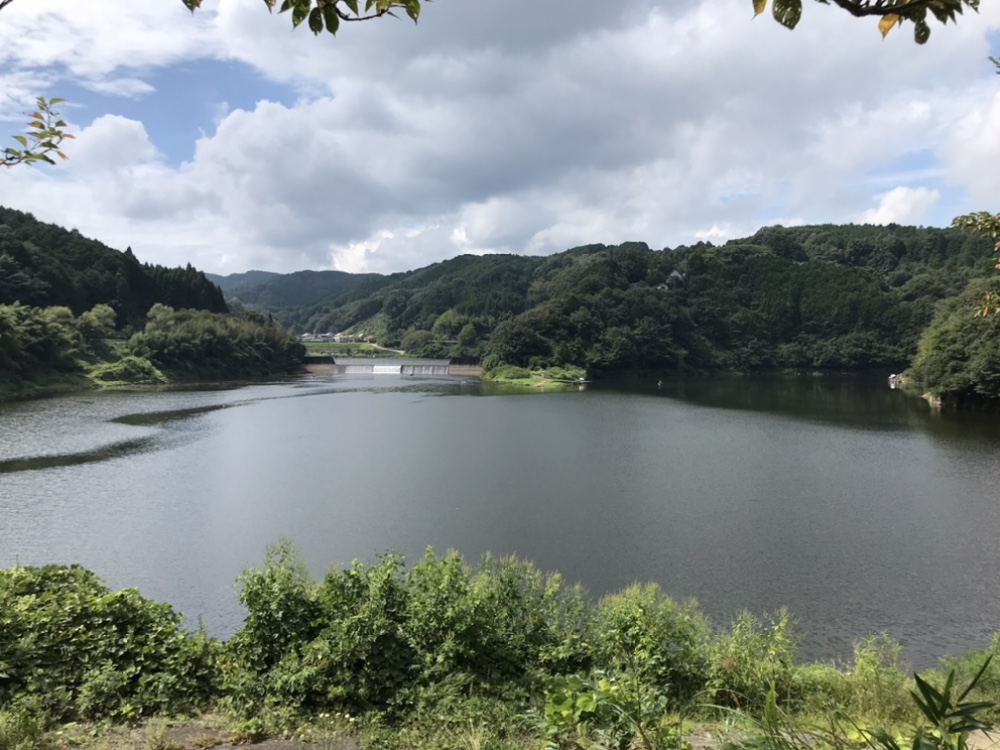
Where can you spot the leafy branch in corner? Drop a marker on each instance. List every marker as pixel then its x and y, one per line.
pixel 43 137
pixel 889 12
pixel 328 14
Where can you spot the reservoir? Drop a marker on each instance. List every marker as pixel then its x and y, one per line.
pixel 856 506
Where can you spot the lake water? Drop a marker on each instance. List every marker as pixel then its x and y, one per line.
pixel 854 505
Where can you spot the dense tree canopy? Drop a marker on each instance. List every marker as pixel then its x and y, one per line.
pixel 959 353
pixel 205 345
pixel 826 297
pixel 45 265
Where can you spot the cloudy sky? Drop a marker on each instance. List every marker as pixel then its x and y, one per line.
pixel 229 141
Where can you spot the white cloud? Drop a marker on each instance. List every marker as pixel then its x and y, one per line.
pixel 971 151
pixel 486 130
pixel 111 143
pixel 902 205
pixel 93 39
pixel 128 87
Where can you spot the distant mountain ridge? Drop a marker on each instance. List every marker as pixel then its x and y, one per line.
pixel 269 290
pixel 235 281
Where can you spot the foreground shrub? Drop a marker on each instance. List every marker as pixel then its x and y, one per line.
pixel 86 652
pixel 21 727
pixel 378 637
pixel 966 666
pixel 820 688
pixel 752 658
pixel 878 683
pixel 609 711
pixel 643 632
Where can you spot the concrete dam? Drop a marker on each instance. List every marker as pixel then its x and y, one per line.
pixel 384 366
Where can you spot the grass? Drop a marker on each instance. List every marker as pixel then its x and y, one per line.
pixel 548 377
pixel 42 386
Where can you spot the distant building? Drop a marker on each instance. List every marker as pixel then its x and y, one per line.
pixel 675 278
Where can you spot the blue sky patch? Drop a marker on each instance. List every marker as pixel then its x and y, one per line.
pixel 187 102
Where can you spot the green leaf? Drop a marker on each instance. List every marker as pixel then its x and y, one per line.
pixel 316 21
pixel 22 140
pixel 413 9
pixel 787 12
pixel 332 18
pixel 299 12
pixel 587 703
pixel 943 14
pixel 921 32
pixel 353 5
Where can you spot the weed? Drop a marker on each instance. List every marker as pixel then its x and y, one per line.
pixel 157 736
pixel 21 728
pixel 205 741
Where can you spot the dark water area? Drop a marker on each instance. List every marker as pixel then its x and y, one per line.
pixel 855 506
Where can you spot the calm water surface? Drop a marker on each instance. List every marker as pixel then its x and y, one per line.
pixel 852 504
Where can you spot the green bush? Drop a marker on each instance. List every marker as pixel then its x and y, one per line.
pixel 642 631
pixel 500 623
pixel 820 688
pixel 281 621
pixel 754 656
pixel 878 682
pixel 506 372
pixel 84 651
pixel 966 666
pixel 375 637
pixel 440 654
pixel 22 727
pixel 129 369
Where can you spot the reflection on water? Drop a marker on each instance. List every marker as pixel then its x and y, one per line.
pixel 854 505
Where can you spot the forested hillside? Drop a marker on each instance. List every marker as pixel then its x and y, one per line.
pixel 44 265
pixel 73 308
pixel 814 297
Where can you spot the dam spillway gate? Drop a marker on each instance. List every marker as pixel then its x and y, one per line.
pixel 398 367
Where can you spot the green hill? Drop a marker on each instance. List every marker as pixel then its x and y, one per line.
pixel 814 297
pixel 266 290
pixel 75 312
pixel 44 265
